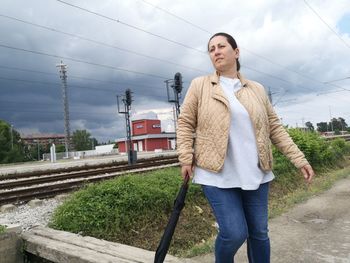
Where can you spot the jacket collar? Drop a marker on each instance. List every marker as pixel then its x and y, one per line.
pixel 214 78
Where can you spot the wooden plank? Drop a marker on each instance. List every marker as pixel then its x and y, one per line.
pixel 61 252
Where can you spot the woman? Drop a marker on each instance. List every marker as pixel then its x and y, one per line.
pixel 233 124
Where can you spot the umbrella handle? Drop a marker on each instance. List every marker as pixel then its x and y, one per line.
pixel 186 178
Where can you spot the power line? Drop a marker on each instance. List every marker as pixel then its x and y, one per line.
pixel 176 16
pixel 156 58
pixel 130 26
pixel 117 20
pixel 83 61
pixel 279 99
pixel 249 51
pixel 111 67
pixel 100 43
pixel 75 86
pixel 319 94
pixel 28 70
pixel 330 28
pixel 135 72
pixel 334 91
pixel 120 69
pixel 60 112
pixel 335 80
pixel 280 65
pixel 30 81
pixel 278 78
pixel 76 77
pixel 57 112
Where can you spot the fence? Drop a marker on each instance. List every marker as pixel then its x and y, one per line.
pixel 79 154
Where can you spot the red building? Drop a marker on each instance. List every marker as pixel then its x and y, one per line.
pixel 147 136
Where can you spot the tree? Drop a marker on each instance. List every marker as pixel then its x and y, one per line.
pixel 93 143
pixel 60 148
pixel 343 124
pixel 37 150
pixel 337 125
pixel 309 126
pixel 322 126
pixel 81 140
pixel 11 147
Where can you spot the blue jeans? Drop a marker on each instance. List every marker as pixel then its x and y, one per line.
pixel 241 215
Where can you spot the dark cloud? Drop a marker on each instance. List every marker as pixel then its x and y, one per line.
pixel 122 57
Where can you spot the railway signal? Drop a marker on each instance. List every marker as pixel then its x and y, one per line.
pixel 176 85
pixel 127 100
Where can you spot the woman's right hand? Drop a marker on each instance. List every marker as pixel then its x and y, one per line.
pixel 187 170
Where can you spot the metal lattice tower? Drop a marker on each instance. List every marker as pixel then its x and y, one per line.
pixel 63 70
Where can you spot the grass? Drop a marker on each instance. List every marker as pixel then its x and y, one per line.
pixel 134 210
pixel 321 183
pixel 2 229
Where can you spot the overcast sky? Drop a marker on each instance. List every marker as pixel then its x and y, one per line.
pixel 292 47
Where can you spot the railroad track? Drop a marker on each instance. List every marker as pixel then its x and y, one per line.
pixel 25 187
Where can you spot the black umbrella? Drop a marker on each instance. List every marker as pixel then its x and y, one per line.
pixel 179 203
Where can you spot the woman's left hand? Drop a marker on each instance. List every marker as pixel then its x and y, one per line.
pixel 308 172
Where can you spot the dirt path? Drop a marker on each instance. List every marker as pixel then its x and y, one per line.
pixel 316 231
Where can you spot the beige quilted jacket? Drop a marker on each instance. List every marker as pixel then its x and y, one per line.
pixel 203 125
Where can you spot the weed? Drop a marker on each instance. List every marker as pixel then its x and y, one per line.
pixel 2 229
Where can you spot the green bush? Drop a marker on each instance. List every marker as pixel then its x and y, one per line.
pixel 339 148
pixel 318 151
pixel 114 209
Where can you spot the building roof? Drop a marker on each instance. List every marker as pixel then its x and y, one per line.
pixel 145 120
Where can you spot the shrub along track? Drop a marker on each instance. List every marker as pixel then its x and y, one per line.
pixel 24 187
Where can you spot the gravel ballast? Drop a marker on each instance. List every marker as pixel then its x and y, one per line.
pixel 29 217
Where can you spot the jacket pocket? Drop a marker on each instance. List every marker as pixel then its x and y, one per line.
pixel 201 147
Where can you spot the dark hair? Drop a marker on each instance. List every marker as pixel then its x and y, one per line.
pixel 231 41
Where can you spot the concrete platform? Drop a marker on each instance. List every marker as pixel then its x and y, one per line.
pixel 61 164
pixel 60 246
pixel 11 245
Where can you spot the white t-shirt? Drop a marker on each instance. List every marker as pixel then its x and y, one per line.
pixel 241 164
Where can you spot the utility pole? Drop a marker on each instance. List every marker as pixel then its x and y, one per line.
pixel 330 116
pixel 63 70
pixel 127 100
pixel 174 118
pixel 92 144
pixel 11 134
pixel 303 123
pixel 38 150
